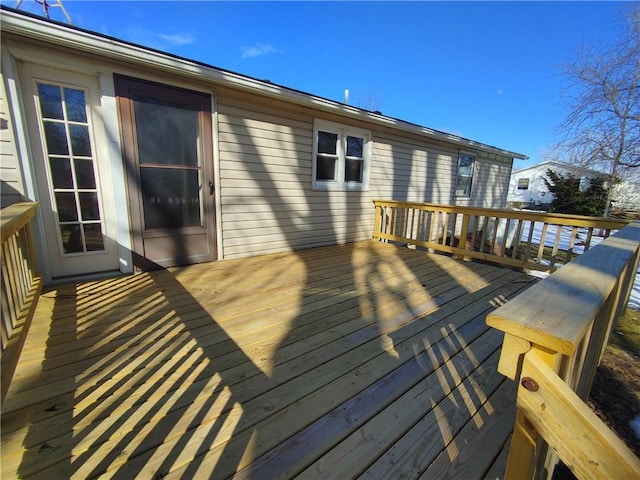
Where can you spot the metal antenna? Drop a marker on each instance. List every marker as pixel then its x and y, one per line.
pixel 46 5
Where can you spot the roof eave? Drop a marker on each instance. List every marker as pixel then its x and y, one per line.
pixel 44 30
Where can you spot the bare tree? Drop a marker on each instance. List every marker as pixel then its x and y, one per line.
pixel 370 101
pixel 602 128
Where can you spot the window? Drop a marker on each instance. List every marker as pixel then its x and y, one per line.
pixel 464 179
pixel 71 167
pixel 523 184
pixel 341 156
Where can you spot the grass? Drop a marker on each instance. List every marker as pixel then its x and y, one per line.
pixel 626 334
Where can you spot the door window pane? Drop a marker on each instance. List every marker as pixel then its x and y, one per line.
pixel 84 174
pixel 166 134
pixel 66 203
pixel 169 197
pixel 93 237
pixel 89 206
pixel 75 104
pixel 56 138
pixel 71 238
pixel 50 101
pixel 61 173
pixel 80 142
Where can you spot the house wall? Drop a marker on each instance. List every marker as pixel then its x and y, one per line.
pixel 536 193
pixel 263 153
pixel 626 194
pixel 491 184
pixel 266 200
pixel 11 184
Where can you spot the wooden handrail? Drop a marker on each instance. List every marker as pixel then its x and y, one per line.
pixel 555 335
pixel 505 237
pixel 21 286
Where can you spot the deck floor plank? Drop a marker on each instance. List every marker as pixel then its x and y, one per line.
pixel 275 366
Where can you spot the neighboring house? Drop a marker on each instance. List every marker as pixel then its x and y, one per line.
pixel 527 188
pixel 140 158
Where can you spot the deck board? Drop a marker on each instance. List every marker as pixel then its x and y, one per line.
pixel 357 360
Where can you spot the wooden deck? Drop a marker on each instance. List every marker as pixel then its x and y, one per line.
pixel 364 360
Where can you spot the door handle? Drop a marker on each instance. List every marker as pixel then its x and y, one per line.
pixel 210 187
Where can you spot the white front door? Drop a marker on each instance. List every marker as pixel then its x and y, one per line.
pixel 67 142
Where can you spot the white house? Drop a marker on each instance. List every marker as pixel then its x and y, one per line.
pixel 527 188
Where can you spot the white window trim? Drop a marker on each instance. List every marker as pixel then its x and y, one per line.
pixel 524 188
pixel 342 131
pixel 473 173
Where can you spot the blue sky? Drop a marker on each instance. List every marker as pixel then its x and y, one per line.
pixel 488 71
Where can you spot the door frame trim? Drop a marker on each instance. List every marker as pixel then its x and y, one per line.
pixel 113 149
pixel 209 166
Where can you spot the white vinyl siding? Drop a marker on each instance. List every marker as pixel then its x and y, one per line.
pixel 419 171
pixel 266 200
pixel 10 178
pixel 411 170
pixel 491 183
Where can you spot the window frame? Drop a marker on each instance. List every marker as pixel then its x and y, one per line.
pixel 521 183
pixel 342 131
pixel 462 155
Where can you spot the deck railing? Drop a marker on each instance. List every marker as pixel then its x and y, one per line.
pixel 533 240
pixel 21 286
pixel 555 331
pixel 555 334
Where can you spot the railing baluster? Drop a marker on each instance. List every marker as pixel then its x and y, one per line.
pixel 572 242
pixel 464 231
pixel 527 251
pixel 474 233
pixel 556 243
pixel 516 240
pixel 543 239
pixel 587 242
pixel 494 236
pixel 433 220
pixel 483 238
pixel 445 229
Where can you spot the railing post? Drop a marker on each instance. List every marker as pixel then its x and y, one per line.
pixel 377 225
